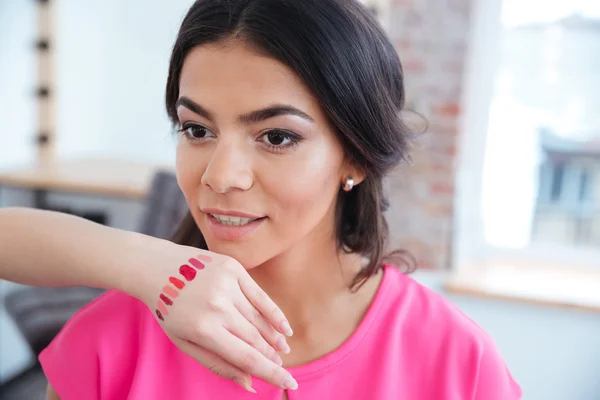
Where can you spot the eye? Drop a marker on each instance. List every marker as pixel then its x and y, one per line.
pixel 279 139
pixel 195 132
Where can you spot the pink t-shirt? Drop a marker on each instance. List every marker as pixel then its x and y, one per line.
pixel 411 344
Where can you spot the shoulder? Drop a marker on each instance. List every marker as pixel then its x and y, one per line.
pixel 422 308
pixel 438 331
pixel 106 332
pixel 104 318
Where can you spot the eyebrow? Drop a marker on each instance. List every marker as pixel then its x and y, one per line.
pixel 272 111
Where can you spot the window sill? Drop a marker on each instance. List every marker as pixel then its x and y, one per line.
pixel 540 285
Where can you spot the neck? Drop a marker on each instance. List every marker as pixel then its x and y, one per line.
pixel 308 280
pixel 311 284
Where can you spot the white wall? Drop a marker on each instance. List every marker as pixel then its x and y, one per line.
pixel 112 62
pixel 17 80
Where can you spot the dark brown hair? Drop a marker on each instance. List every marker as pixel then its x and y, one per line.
pixel 345 58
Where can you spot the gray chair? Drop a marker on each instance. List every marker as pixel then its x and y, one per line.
pixel 164 207
pixel 39 312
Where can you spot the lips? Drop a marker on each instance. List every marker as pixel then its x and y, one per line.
pixel 229 232
pixel 231 224
pixel 231 213
pixel 232 220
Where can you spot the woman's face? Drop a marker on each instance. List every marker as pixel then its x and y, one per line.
pixel 257 161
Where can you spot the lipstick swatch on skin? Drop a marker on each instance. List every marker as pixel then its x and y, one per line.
pixel 202 257
pixel 162 308
pixel 166 300
pixel 189 274
pixel 170 291
pixel 177 283
pixel 196 263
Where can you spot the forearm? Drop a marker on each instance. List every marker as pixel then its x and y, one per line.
pixel 47 248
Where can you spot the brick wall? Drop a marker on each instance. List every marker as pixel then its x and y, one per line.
pixel 430 37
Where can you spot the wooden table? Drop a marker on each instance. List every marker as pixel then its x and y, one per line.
pixel 101 177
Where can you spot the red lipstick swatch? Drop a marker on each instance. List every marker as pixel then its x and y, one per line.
pixel 177 283
pixel 188 272
pixel 166 300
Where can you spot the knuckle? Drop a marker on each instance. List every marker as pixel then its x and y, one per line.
pixel 203 329
pixel 255 337
pixel 276 312
pixel 256 317
pixel 223 283
pixel 215 369
pixel 270 353
pixel 250 361
pixel 231 265
pixel 261 296
pixel 216 304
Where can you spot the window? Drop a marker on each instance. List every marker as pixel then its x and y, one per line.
pixel 529 173
pixel 558 174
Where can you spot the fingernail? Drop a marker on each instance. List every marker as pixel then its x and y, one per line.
pixel 277 360
pixel 282 345
pixel 286 328
pixel 290 383
pixel 245 385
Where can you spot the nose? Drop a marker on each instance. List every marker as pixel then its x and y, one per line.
pixel 229 168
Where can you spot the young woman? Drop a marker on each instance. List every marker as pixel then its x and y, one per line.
pixel 289 118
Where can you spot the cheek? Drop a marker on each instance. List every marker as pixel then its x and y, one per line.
pixel 306 189
pixel 189 170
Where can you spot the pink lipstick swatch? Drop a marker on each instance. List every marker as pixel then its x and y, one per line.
pixel 170 291
pixel 196 263
pixel 203 257
pixel 162 308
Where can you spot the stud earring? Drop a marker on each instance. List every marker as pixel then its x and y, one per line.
pixel 349 184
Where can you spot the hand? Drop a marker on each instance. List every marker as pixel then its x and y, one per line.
pixel 213 311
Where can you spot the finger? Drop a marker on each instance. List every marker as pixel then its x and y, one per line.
pixel 239 326
pixel 263 303
pixel 250 360
pixel 217 365
pixel 270 334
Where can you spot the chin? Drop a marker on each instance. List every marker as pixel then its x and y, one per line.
pixel 244 253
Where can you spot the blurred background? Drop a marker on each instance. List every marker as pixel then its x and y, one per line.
pixel 500 205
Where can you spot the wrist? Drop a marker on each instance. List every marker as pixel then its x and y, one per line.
pixel 133 264
pixel 141 276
